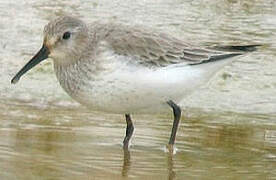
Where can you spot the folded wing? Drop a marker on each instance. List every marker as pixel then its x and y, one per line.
pixel 154 49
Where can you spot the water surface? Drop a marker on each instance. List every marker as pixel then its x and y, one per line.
pixel 228 129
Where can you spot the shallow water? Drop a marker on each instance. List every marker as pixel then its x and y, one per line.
pixel 228 129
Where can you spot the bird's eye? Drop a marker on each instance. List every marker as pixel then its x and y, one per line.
pixel 66 35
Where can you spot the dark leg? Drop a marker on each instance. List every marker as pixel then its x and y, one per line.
pixel 177 115
pixel 129 131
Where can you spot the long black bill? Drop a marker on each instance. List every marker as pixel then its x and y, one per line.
pixel 40 56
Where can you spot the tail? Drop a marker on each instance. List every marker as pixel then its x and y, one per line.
pixel 226 52
pixel 222 56
pixel 246 48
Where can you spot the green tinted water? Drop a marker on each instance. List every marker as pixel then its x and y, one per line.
pixel 228 129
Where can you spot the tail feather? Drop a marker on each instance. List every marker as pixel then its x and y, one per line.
pixel 246 48
pixel 227 52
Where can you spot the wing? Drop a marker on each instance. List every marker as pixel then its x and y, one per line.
pixel 155 49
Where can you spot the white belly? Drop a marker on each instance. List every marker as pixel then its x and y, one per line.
pixel 132 90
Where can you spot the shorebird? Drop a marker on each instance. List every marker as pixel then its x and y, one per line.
pixel 118 68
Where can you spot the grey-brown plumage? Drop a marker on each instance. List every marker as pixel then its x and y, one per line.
pixel 157 49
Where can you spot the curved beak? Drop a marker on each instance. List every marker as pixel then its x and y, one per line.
pixel 40 56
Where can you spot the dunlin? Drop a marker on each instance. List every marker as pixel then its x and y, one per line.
pixel 118 68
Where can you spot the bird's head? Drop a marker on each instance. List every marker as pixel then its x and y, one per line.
pixel 64 40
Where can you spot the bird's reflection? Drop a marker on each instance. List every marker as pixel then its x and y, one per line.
pixel 126 162
pixel 171 173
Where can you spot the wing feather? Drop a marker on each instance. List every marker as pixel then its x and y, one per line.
pixel 160 49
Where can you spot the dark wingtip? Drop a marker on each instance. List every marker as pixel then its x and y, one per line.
pixel 248 48
pixel 245 48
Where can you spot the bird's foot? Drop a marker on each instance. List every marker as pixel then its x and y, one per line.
pixel 125 146
pixel 171 149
